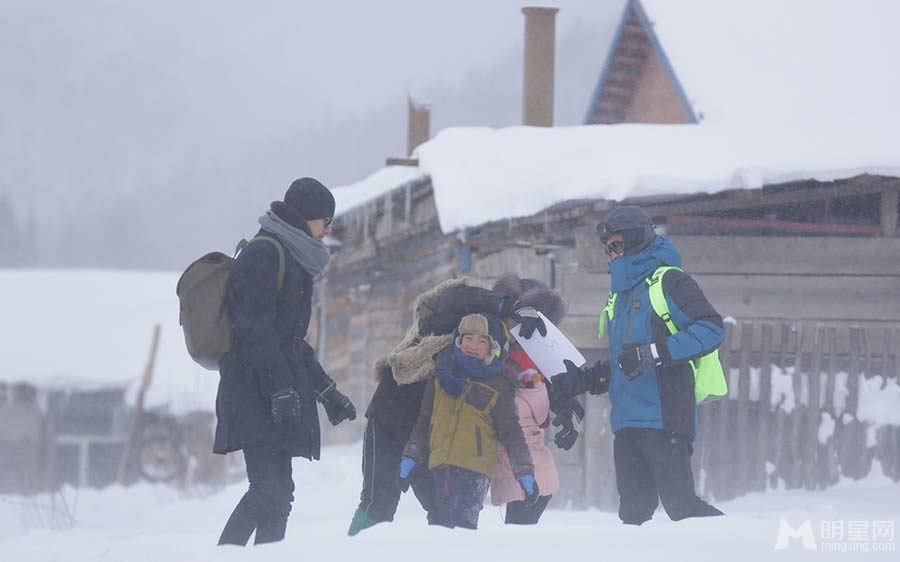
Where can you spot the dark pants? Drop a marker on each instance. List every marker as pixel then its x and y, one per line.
pixel 459 496
pixel 380 465
pixel 517 513
pixel 654 465
pixel 266 505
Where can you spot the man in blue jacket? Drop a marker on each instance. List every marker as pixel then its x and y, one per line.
pixel 650 381
pixel 270 380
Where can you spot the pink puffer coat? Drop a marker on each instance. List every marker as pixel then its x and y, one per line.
pixel 533 408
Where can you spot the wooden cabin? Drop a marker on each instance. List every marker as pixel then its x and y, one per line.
pixel 803 270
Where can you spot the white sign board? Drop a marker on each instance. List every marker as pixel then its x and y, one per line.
pixel 548 351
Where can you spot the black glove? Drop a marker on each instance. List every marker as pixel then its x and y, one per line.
pixel 526 316
pixel 636 358
pixel 285 405
pixel 575 381
pixel 529 321
pixel 565 437
pixel 337 406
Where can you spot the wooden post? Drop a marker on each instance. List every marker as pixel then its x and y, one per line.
pixel 814 415
pixel 725 465
pixel 830 454
pixel 125 474
pixel 780 438
pixel 742 424
pixel 765 407
pixel 796 450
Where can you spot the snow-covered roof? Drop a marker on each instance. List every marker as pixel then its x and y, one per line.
pixel 66 329
pixel 786 91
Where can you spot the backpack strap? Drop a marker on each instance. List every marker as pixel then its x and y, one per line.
pixel 244 243
pixel 658 297
pixel 709 378
pixel 607 315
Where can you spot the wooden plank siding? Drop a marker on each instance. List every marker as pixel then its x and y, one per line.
pixel 828 305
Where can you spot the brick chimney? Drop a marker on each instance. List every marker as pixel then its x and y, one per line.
pixel 417 132
pixel 419 129
pixel 540 45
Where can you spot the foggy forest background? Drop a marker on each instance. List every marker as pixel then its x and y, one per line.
pixel 142 134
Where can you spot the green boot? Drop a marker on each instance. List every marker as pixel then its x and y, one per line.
pixel 361 520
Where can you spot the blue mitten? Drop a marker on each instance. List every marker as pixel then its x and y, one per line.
pixel 407 465
pixel 530 487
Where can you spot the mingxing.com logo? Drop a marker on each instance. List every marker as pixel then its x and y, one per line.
pixel 786 532
pixel 840 536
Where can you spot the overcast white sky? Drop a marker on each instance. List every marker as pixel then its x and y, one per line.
pixel 95 85
pixel 127 115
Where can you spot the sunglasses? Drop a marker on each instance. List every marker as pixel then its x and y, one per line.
pixel 328 221
pixel 615 247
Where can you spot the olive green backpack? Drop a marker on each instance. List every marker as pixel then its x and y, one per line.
pixel 203 303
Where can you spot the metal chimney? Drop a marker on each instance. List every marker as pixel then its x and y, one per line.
pixel 540 41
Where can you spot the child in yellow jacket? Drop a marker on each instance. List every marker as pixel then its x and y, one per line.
pixel 466 411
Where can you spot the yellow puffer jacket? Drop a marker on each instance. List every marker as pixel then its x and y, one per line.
pixel 464 431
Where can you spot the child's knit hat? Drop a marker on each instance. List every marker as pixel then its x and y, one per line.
pixel 488 326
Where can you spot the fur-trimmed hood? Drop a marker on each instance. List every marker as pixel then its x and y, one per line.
pixel 412 359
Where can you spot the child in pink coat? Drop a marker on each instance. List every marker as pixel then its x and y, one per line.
pixel 533 408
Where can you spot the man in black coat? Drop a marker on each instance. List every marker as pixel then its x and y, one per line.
pixel 270 380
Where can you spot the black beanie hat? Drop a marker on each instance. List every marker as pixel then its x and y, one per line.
pixel 310 198
pixel 633 223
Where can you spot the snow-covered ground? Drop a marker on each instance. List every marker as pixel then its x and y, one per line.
pixel 147 523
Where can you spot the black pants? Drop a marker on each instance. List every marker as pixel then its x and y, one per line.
pixel 654 465
pixel 459 496
pixel 266 505
pixel 517 513
pixel 380 496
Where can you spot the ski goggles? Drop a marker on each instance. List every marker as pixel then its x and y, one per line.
pixel 614 247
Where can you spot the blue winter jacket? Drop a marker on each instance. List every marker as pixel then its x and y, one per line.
pixel 661 397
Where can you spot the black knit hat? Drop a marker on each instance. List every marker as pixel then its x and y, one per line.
pixel 310 198
pixel 633 223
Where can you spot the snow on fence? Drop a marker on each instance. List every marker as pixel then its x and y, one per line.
pixel 807 404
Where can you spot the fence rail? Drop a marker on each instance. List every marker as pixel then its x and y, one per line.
pixel 807 404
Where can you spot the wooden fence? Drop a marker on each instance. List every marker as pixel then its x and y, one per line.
pixel 793 416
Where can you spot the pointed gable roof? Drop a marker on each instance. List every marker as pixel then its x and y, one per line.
pixel 752 63
pixel 637 84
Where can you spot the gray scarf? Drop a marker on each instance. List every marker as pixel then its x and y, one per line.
pixel 312 254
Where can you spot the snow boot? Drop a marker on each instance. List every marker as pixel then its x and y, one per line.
pixel 361 520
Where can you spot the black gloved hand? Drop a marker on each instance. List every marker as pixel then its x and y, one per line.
pixel 285 405
pixel 529 320
pixel 567 411
pixel 636 358
pixel 576 381
pixel 337 406
pixel 566 386
pixel 565 438
pixel 597 378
